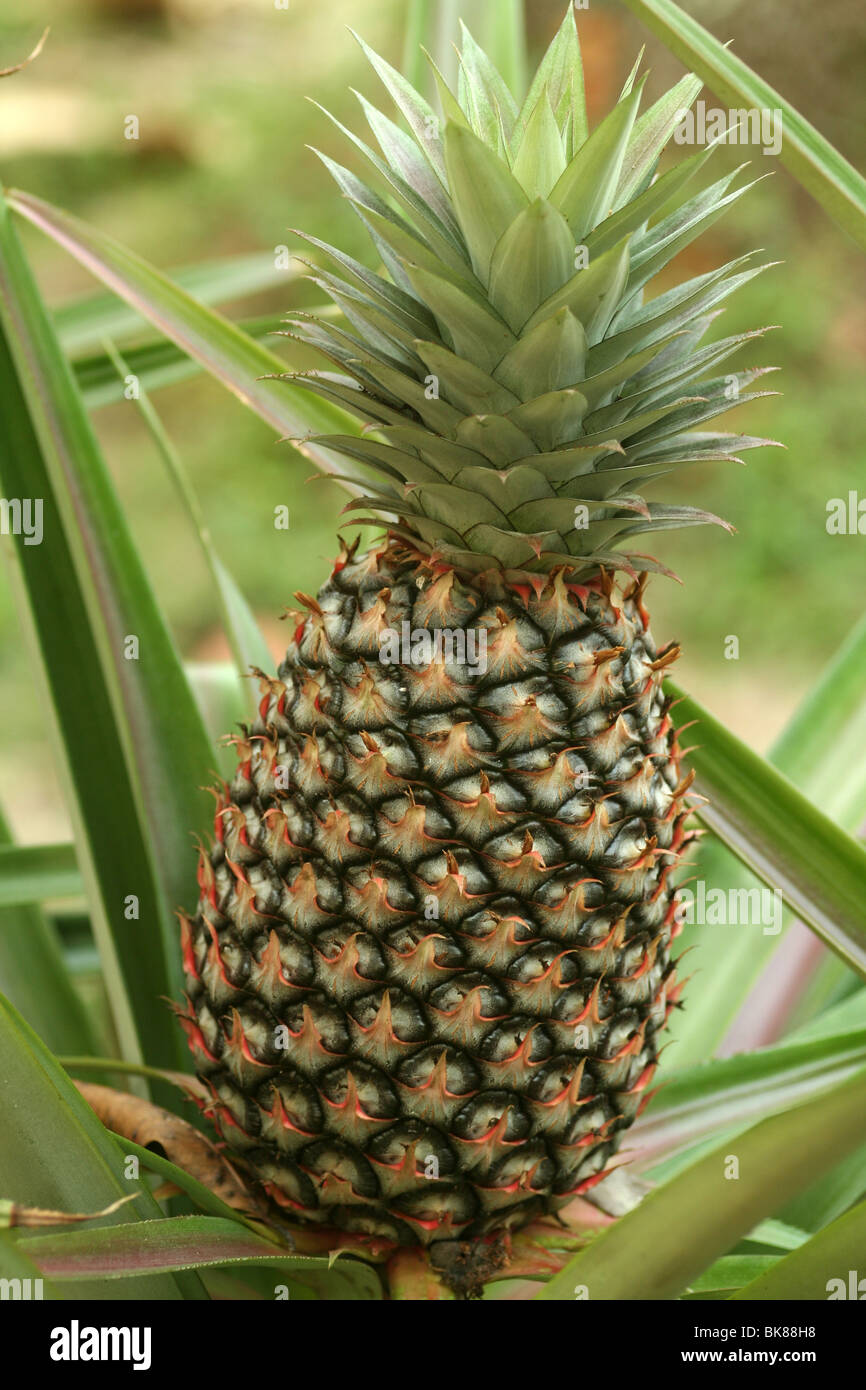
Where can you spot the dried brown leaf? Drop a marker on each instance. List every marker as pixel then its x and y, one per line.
pixel 175 1139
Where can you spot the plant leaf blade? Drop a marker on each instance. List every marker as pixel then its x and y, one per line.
pixel 658 1248
pixel 821 169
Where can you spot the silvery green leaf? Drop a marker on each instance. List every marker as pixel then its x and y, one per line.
pixel 682 229
pixel 628 85
pixel 474 332
pixel 533 259
pixel 346 392
pixel 402 306
pixel 521 483
pixel 651 133
pixel 486 195
pixel 602 384
pixel 560 73
pixel 592 293
pixel 540 160
pixel 436 413
pixel 664 517
pixel 681 369
pixel 364 314
pixel 404 243
pixel 584 193
pixel 701 446
pixel 451 107
pixel 672 310
pixel 562 465
pixel 438 500
pixel 382 458
pixel 403 157
pixel 363 200
pixel 441 231
pixel 547 357
pixel 635 213
pixel 421 118
pixel 552 420
pixel 496 437
pixel 444 455
pixel 488 87
pixel 626 428
pixel 465 385
pixel 560 512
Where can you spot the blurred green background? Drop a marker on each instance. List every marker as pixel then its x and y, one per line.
pixel 222 167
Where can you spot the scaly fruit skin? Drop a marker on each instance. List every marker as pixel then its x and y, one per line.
pixel 431 958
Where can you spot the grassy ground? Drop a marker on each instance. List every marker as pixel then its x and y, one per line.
pixel 222 167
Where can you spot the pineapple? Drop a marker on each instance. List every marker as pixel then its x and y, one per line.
pixel 431 961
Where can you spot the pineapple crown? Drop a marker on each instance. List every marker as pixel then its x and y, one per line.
pixel 517 390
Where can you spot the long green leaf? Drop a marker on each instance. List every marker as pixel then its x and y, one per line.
pixel 735 1091
pixel 830 984
pixel 245 639
pixel 817 747
pixel 118 1066
pixel 89 753
pixel 844 1016
pixel 207 1201
pixel 826 1200
pixel 829 1198
pixel 229 354
pixel 419 34
pixel 830 1265
pixel 818 869
pixel 15 1265
pixel 33 973
pixel 656 1250
pixel 651 133
pixel 435 26
pixel 560 72
pixel 504 39
pixel 821 169
pixel 821 752
pixel 83 323
pixel 32 873
pixel 164 1244
pixel 178 1243
pixel 55 1154
pixel 154 363
pixel 778 1235
pixel 728 1273
pixel 153 716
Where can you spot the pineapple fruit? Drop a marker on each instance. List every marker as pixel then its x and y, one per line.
pixel 431 960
